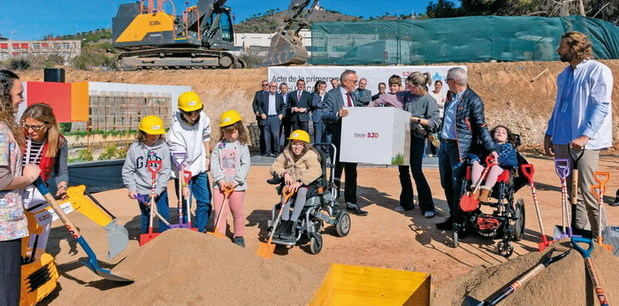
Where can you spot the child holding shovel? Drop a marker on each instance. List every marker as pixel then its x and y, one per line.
pixel 230 164
pixel 507 160
pixel 190 133
pixel 149 146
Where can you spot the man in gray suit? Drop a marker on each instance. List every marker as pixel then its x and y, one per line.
pixel 362 95
pixel 336 102
pixel 270 109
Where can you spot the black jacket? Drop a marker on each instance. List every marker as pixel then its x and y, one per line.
pixel 258 97
pixel 304 102
pixel 263 106
pixel 471 127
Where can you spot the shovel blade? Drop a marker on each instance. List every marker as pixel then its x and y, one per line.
pixel 217 234
pixel 117 238
pixel 146 238
pixel 471 301
pixel 468 203
pixel 265 250
pixel 285 50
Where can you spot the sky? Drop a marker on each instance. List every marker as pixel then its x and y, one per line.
pixel 58 17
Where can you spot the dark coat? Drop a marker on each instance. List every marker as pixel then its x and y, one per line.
pixel 304 102
pixel 471 127
pixel 263 106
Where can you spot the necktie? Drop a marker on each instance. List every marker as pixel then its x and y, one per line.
pixel 348 100
pixel 298 96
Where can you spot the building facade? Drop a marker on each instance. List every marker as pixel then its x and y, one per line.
pixel 68 49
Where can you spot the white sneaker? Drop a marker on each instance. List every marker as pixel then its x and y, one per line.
pixel 400 208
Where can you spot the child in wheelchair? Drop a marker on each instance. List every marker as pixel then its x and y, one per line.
pixel 299 166
pixel 506 220
pixel 507 160
pixel 307 170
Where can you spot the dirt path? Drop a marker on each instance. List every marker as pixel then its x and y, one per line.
pixel 384 238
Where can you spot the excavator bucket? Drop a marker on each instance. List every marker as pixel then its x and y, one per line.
pixel 285 50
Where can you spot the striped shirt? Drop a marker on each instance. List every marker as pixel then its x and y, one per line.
pixel 35 149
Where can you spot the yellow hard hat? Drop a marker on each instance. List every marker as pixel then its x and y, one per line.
pixel 299 135
pixel 189 101
pixel 229 118
pixel 152 125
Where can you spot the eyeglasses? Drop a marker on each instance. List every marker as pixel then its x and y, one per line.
pixel 34 128
pixel 265 85
pixel 447 80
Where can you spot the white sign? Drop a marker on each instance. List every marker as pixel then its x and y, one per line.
pixel 376 135
pixel 374 74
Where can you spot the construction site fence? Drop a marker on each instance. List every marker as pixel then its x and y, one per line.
pixel 462 39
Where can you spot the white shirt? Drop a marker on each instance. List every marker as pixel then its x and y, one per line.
pixel 591 110
pixel 272 110
pixel 345 97
pixel 183 137
pixel 440 100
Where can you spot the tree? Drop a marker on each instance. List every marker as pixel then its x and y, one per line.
pixel 603 9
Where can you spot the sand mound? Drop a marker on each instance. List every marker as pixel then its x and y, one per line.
pixel 186 267
pixel 562 283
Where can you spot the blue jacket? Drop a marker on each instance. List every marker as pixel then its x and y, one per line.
pixel 471 127
pixel 316 106
pixel 508 158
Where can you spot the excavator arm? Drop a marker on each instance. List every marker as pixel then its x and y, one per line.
pixel 286 45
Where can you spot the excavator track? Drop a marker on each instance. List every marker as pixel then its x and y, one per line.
pixel 178 58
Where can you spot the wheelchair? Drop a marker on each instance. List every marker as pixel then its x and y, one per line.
pixel 320 207
pixel 503 218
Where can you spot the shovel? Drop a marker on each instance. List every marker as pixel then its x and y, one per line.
pixel 528 171
pixel 117 234
pixel 562 168
pixel 265 250
pixel 217 231
pixel 602 178
pixel 574 195
pixel 179 159
pixel 92 263
pixel 469 202
pixel 595 279
pixel 153 166
pixel 500 295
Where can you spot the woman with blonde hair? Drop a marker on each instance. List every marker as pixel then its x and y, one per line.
pixel 45 145
pixel 13 178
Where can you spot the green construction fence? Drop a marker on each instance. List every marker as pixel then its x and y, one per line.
pixel 462 39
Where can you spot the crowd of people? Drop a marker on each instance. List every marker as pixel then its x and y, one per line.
pixel 290 122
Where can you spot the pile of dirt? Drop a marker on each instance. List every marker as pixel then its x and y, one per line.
pixel 186 267
pixel 565 282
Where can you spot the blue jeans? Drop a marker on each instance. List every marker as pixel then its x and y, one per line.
pixel 162 208
pixel 200 190
pixel 451 171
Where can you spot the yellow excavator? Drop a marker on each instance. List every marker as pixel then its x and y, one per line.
pixel 39 273
pixel 199 38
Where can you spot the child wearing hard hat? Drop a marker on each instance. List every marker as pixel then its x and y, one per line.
pixel 299 166
pixel 190 133
pixel 230 164
pixel 136 176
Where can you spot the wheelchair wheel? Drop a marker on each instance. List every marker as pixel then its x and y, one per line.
pixel 504 248
pixel 315 243
pixel 519 224
pixel 342 225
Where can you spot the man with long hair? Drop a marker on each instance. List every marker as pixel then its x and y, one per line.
pixel 581 120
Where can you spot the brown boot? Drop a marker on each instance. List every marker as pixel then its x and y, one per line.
pixel 483 194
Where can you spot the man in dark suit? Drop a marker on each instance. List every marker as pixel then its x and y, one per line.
pixel 336 102
pixel 286 120
pixel 270 110
pixel 300 101
pixel 258 97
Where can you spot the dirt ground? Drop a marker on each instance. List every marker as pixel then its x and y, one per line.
pixel 384 238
